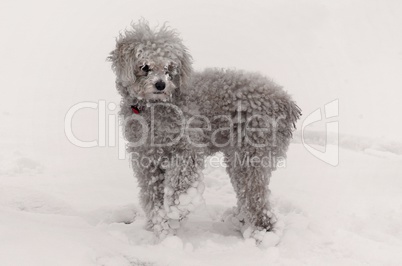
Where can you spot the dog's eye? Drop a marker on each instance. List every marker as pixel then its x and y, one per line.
pixel 169 75
pixel 170 68
pixel 145 68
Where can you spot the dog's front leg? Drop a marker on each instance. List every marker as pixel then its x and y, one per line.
pixel 183 188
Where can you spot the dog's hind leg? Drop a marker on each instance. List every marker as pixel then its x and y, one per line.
pixel 250 182
pixel 249 164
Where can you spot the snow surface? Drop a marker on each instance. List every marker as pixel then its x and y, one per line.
pixel 61 211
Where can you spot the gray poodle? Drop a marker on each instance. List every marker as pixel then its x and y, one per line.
pixel 175 118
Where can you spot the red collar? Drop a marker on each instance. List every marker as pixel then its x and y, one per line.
pixel 136 109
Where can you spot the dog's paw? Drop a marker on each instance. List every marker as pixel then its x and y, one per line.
pixel 165 223
pixel 163 229
pixel 234 218
pixel 264 238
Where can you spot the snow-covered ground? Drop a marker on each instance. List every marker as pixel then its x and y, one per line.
pixel 81 208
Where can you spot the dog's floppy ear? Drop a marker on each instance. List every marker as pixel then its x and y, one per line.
pixel 122 59
pixel 185 67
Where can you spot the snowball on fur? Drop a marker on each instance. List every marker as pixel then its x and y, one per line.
pixel 175 224
pixel 192 192
pixel 184 199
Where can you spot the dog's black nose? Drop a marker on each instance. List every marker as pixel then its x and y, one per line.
pixel 160 85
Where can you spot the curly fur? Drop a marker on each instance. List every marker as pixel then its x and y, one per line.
pixel 211 111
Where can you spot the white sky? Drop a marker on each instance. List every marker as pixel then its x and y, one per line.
pixel 53 52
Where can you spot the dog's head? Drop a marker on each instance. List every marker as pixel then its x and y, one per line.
pixel 150 64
